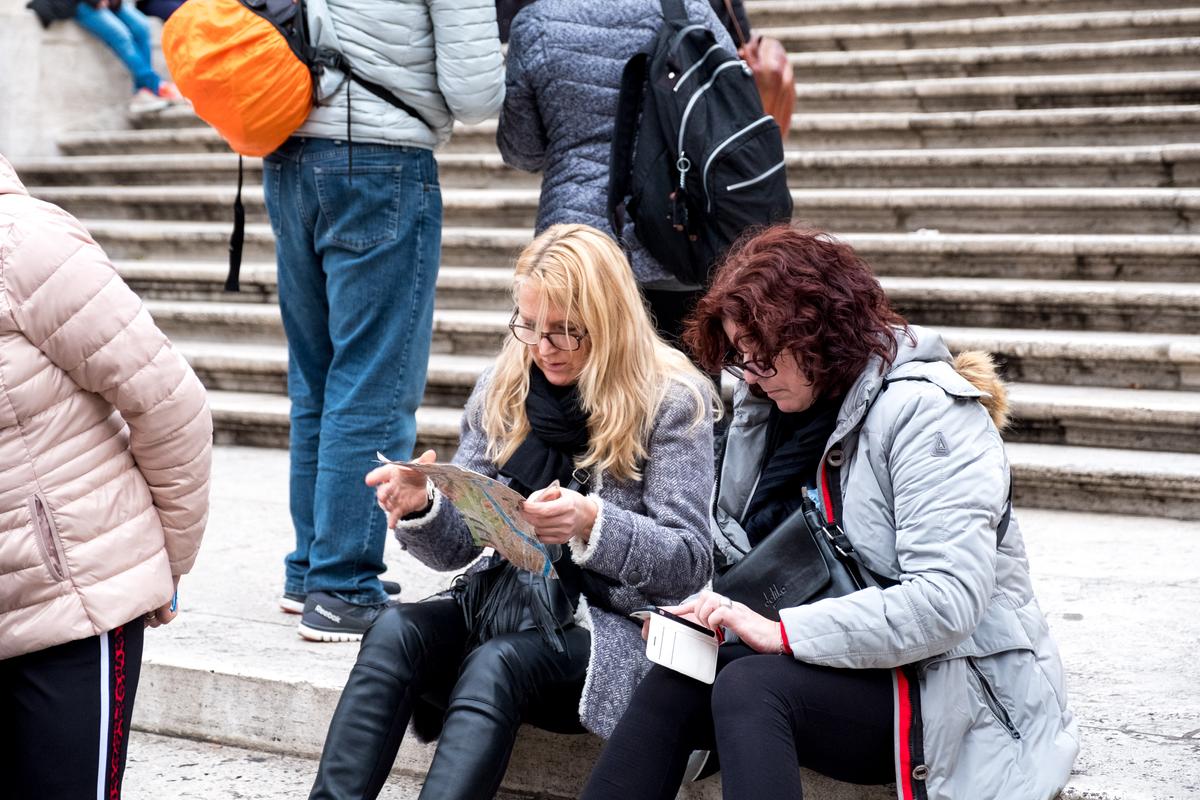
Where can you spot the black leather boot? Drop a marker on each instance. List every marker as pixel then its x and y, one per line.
pixel 372 714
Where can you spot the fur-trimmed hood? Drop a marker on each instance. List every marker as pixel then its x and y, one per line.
pixel 979 368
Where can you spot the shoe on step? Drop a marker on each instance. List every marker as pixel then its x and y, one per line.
pixel 330 619
pixel 145 101
pixel 293 602
pixel 170 92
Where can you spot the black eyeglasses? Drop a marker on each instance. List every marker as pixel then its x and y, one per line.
pixel 559 340
pixel 758 367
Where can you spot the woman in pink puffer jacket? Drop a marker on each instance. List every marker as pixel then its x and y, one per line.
pixel 105 450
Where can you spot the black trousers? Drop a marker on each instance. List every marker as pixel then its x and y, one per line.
pixel 765 715
pixel 64 716
pixel 419 651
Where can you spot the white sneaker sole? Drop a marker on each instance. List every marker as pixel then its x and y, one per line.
pixel 291 606
pixel 314 635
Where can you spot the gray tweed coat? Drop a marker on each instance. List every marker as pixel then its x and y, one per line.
pixel 652 535
pixel 565 59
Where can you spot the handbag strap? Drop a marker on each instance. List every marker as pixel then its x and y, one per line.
pixel 737 26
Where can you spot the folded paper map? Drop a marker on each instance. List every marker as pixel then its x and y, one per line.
pixel 490 510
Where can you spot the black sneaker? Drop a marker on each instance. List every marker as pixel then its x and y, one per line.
pixel 293 602
pixel 329 619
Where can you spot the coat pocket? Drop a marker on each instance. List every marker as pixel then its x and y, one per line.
pixel 45 532
pixel 992 700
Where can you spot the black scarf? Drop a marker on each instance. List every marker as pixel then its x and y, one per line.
pixel 795 443
pixel 559 433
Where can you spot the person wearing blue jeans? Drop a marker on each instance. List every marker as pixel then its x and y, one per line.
pixel 358 251
pixel 356 211
pixel 126 31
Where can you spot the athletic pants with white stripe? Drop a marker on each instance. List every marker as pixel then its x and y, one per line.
pixel 64 717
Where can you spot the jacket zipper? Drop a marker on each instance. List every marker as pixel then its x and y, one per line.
pixel 722 146
pixel 47 539
pixel 993 702
pixel 683 164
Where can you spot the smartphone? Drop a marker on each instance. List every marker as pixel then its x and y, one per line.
pixel 680 644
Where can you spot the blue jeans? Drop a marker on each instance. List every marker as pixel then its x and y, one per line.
pixel 358 257
pixel 127 32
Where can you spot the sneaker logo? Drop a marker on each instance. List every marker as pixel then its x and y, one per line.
pixel 329 615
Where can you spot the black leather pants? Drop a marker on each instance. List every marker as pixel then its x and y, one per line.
pixel 416 650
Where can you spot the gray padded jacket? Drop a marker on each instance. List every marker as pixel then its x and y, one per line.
pixel 440 56
pixel 651 536
pixel 981 707
pixel 565 59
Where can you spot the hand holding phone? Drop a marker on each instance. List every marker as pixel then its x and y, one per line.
pixel 680 644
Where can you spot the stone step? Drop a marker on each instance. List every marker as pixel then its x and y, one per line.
pixel 1145 55
pixel 1032 211
pixel 187 133
pixel 1133 419
pixel 1092 26
pixel 1062 305
pixel 1071 305
pixel 1094 358
pixel 231 669
pixel 791 13
pixel 249 383
pixel 183 240
pixel 457 287
pixel 1047 475
pixel 1002 92
pixel 1031 127
pixel 1172 165
pixel 1027 127
pixel 927 254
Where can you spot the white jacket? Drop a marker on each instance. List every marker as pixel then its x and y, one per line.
pixel 442 57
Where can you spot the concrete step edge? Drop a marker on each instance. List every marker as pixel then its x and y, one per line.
pixel 1073 22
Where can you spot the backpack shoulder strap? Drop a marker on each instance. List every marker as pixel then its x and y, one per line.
pixel 620 162
pixel 674 10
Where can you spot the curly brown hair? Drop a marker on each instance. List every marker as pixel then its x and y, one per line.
pixel 802 291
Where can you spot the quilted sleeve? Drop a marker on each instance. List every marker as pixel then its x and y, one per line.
pixel 470 74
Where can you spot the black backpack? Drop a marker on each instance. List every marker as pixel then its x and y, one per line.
pixel 709 163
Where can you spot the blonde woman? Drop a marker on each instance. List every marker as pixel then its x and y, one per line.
pixel 584 393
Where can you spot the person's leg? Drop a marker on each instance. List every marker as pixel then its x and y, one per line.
pixel 379 236
pixel 668 717
pixel 71 707
pixel 139 30
pixel 499 683
pixel 105 26
pixel 407 646
pixel 305 311
pixel 774 714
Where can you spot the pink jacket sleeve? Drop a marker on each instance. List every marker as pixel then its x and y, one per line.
pixel 68 300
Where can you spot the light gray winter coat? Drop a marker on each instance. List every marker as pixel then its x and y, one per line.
pixel 981 706
pixel 565 59
pixel 442 57
pixel 652 535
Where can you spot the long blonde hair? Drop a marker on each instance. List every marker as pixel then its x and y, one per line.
pixel 580 270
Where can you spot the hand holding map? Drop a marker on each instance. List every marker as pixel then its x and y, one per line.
pixel 490 510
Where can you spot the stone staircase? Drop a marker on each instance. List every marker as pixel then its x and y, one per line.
pixel 1024 175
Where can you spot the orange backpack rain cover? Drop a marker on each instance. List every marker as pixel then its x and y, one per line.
pixel 239 72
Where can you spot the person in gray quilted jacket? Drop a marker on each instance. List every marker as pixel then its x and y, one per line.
pixel 565 59
pixel 941 674
pixel 356 210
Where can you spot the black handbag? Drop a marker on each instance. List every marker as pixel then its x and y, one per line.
pixel 799 562
pixel 806 559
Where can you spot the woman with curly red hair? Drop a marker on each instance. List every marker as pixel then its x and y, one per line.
pixel 940 674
